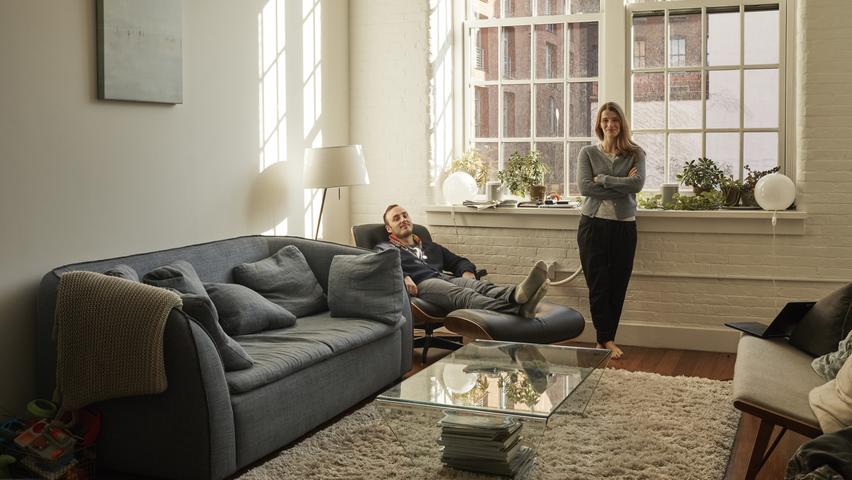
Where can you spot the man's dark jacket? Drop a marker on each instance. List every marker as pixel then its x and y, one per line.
pixel 438 259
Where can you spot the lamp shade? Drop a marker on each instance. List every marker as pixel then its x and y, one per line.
pixel 335 167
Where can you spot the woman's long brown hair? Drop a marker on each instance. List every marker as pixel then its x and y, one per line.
pixel 623 142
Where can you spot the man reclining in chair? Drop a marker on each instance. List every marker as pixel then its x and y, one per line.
pixel 424 264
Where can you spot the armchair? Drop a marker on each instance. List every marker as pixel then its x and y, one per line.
pixel 552 323
pixel 426 316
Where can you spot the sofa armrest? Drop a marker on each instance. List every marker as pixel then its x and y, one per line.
pixel 186 431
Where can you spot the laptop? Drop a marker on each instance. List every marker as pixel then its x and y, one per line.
pixel 782 326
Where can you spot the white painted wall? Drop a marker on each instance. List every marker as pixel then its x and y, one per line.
pixel 84 179
pixel 687 284
pixel 389 92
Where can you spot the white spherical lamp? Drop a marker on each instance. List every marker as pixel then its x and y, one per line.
pixel 458 187
pixel 457 380
pixel 775 192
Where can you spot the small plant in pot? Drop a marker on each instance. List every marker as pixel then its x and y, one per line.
pixel 750 182
pixel 524 174
pixel 732 191
pixel 703 175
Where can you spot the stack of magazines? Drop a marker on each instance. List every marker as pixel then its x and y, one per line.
pixel 485 444
pixel 490 204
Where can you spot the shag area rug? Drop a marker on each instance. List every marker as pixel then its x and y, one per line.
pixel 637 426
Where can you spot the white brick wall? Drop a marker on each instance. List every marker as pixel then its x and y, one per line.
pixel 390 103
pixel 680 296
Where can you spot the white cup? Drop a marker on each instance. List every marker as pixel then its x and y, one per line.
pixel 494 191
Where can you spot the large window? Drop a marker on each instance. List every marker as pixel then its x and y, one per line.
pixel 719 95
pixel 705 78
pixel 543 94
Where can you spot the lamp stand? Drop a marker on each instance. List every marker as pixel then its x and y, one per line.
pixel 319 219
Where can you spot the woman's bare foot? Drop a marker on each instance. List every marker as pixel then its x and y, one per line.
pixel 612 347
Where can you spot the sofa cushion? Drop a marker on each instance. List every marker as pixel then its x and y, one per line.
pixel 243 311
pixel 773 375
pixel 829 364
pixel 201 309
pixel 822 328
pixel 279 353
pixel 123 271
pixel 367 286
pixel 178 275
pixel 832 402
pixel 286 280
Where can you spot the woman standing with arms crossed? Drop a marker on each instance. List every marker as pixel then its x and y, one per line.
pixel 609 175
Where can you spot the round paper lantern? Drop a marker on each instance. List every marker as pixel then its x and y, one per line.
pixel 457 380
pixel 458 187
pixel 775 192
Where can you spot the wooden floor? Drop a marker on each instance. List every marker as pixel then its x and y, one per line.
pixel 717 366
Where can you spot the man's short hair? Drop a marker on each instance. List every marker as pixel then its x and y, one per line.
pixel 385 215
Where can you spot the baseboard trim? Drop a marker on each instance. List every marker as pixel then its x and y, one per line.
pixel 671 336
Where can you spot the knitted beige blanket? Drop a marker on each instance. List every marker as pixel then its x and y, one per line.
pixel 109 338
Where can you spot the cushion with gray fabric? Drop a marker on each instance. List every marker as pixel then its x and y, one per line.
pixel 178 275
pixel 775 376
pixel 824 456
pixel 123 271
pixel 828 322
pixel 366 286
pixel 829 364
pixel 285 279
pixel 311 340
pixel 243 311
pixel 201 309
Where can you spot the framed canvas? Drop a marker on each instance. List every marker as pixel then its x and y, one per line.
pixel 140 50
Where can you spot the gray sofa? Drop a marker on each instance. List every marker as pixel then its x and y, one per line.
pixel 210 423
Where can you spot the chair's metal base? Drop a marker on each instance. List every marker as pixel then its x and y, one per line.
pixel 428 341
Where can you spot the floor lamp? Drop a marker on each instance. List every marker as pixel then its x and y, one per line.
pixel 327 167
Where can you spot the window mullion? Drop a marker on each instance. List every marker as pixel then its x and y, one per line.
pixel 742 92
pixel 705 80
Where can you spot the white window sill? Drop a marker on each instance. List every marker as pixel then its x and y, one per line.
pixel 702 221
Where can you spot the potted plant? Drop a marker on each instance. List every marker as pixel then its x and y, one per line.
pixel 471 162
pixel 525 174
pixel 732 190
pixel 703 175
pixel 751 181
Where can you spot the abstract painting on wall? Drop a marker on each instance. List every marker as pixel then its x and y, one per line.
pixel 140 50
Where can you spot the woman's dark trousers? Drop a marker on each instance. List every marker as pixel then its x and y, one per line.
pixel 607 249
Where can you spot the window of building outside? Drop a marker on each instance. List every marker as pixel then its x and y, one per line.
pixel 719 96
pixel 677 52
pixel 639 53
pixel 705 78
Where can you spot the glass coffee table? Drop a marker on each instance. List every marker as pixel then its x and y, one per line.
pixel 486 407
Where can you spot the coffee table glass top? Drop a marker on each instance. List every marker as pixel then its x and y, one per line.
pixel 521 379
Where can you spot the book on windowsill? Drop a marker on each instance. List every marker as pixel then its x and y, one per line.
pixel 489 204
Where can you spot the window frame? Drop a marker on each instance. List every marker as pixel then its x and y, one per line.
pixel 615 52
pixel 786 75
pixel 469 138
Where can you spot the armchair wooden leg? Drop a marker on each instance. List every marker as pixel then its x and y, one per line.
pixel 759 453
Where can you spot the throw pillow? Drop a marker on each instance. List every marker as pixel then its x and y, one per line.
pixel 123 271
pixel 832 402
pixel 367 286
pixel 285 279
pixel 828 365
pixel 822 328
pixel 179 276
pixel 243 311
pixel 201 308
